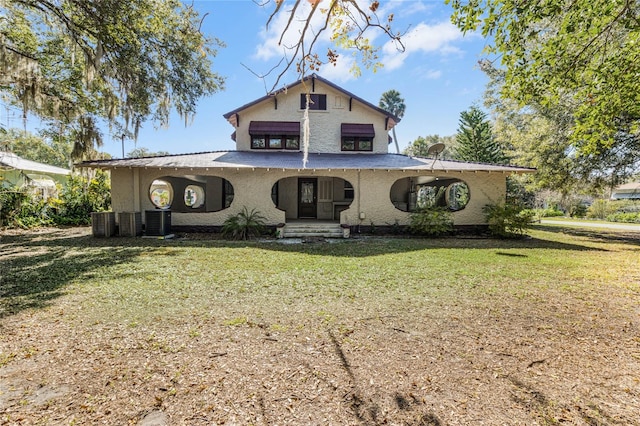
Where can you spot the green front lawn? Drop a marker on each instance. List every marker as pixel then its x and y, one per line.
pixel 344 315
pixel 138 280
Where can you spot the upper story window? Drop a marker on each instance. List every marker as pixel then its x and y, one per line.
pixel 318 101
pixel 357 137
pixel 356 144
pixel 275 142
pixel 275 135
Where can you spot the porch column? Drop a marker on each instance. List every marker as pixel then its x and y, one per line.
pixel 136 190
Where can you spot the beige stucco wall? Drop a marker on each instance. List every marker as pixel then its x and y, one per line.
pixel 375 201
pixel 252 189
pixel 324 126
pixel 123 190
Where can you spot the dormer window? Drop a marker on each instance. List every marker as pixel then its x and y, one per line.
pixel 275 135
pixel 318 101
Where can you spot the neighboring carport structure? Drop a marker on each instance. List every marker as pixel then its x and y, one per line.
pixel 628 191
pixel 17 171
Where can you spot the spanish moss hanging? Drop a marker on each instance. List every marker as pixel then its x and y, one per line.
pixel 305 133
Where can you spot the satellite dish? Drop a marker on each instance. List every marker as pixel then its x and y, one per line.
pixel 435 150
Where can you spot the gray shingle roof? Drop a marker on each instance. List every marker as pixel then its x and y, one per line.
pixel 293 161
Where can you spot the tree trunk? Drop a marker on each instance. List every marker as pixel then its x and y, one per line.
pixel 395 139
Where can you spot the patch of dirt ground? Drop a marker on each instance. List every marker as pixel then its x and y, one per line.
pixel 462 365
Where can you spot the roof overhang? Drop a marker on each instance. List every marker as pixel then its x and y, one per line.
pixel 280 160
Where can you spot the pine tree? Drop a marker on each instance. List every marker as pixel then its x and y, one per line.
pixel 475 139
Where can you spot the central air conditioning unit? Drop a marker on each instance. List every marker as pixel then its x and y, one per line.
pixel 103 224
pixel 157 223
pixel 130 224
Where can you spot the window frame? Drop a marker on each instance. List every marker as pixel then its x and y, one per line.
pixel 357 140
pixel 349 191
pixel 283 145
pixel 318 101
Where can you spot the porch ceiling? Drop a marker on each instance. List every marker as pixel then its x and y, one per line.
pixel 293 161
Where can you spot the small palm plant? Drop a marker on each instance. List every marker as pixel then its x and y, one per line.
pixel 243 225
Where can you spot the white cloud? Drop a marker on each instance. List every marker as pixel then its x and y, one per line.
pixel 425 72
pixel 423 38
pixel 339 73
pixel 432 74
pixel 271 48
pixel 404 9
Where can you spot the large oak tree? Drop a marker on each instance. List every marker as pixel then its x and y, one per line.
pixel 80 63
pixel 584 52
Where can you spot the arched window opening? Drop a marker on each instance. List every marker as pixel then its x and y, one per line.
pixel 194 196
pixel 195 193
pixel 421 192
pixel 457 196
pixel 161 194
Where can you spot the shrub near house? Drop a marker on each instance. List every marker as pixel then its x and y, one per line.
pixel 23 208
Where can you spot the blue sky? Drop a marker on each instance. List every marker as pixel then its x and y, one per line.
pixel 437 75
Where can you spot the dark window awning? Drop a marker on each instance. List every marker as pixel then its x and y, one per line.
pixel 274 128
pixel 358 130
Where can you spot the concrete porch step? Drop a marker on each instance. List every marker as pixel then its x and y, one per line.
pixel 302 230
pixel 312 234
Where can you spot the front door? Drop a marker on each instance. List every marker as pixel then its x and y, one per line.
pixel 307 198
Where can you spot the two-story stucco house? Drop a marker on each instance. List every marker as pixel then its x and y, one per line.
pixel 348 177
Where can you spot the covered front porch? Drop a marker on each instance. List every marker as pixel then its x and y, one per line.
pixel 305 199
pixel 320 198
pixel 351 190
